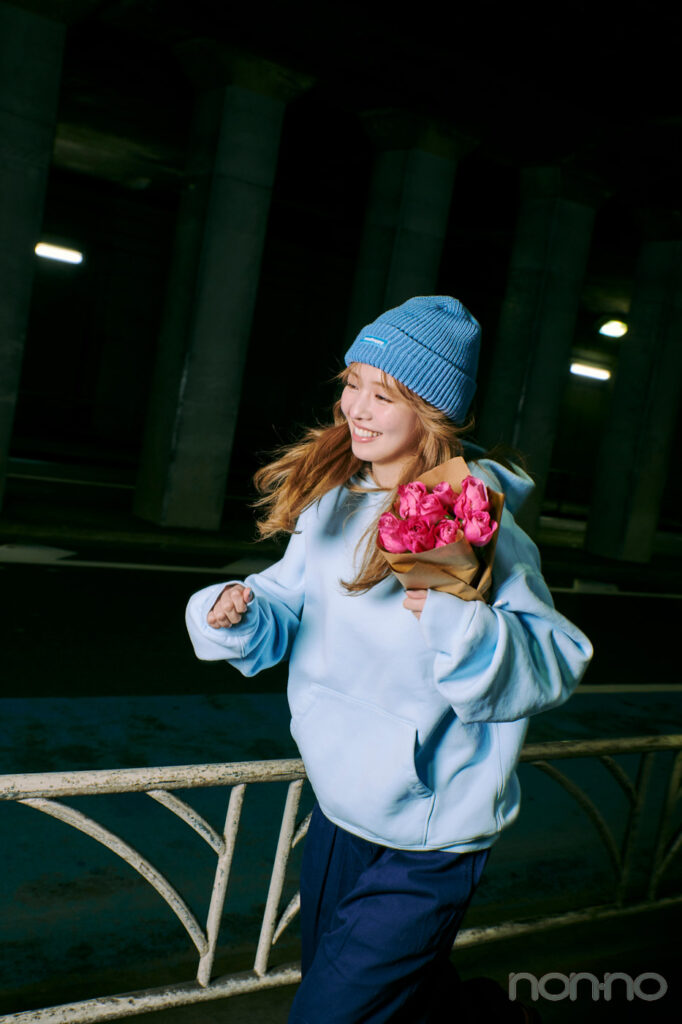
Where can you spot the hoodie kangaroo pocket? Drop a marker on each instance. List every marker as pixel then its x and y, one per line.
pixel 360 762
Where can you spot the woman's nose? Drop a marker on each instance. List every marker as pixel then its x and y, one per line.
pixel 359 405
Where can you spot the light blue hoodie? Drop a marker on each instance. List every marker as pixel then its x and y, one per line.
pixel 410 729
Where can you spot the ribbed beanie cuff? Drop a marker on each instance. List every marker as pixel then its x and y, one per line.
pixel 430 344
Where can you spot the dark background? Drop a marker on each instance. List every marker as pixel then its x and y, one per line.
pixel 592 89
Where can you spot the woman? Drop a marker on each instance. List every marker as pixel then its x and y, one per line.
pixel 409 708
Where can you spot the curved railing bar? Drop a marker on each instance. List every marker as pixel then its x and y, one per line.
pixel 186 813
pixel 587 805
pixel 672 851
pixel 131 856
pixel 288 915
pixel 301 830
pixel 621 777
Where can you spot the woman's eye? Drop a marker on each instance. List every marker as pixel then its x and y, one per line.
pixel 383 398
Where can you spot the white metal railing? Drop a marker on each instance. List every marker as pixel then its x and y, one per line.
pixel 42 792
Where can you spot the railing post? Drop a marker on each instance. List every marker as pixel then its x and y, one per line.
pixel 222 876
pixel 661 856
pixel 633 827
pixel 286 834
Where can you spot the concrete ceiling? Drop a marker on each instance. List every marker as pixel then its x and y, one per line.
pixel 595 91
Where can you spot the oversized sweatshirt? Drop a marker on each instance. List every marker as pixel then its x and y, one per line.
pixel 410 729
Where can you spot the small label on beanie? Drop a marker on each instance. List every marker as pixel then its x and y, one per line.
pixel 377 341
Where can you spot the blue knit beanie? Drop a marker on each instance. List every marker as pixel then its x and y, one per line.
pixel 430 344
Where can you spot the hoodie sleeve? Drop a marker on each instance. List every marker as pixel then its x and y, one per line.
pixel 512 658
pixel 267 630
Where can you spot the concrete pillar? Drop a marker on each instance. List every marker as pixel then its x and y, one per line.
pixel 30 68
pixel 532 351
pixel 212 288
pixel 636 448
pixel 407 211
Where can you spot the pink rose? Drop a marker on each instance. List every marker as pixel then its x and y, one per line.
pixel 392 533
pixel 447 531
pixel 478 528
pixel 445 494
pixel 473 498
pixel 410 497
pixel 432 508
pixel 418 534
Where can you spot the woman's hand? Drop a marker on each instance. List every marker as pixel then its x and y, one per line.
pixel 414 601
pixel 230 606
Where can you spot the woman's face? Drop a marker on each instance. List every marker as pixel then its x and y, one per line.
pixel 384 429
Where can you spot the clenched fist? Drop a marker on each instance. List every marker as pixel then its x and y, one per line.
pixel 230 606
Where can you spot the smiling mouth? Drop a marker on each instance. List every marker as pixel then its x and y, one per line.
pixel 365 435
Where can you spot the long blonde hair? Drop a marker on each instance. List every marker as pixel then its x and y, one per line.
pixel 303 472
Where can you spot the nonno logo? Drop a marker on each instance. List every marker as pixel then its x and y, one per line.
pixel 555 986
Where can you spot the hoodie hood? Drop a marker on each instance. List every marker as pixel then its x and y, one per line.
pixel 514 483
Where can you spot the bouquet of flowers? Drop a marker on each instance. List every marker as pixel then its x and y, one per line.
pixel 442 532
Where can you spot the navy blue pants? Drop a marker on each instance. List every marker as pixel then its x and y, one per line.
pixel 377 928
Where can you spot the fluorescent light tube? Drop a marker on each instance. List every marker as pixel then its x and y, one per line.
pixel 614 328
pixel 58 252
pixel 587 370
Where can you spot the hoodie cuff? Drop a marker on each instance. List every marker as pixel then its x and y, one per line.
pixel 446 620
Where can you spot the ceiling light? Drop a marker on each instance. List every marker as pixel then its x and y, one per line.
pixel 58 252
pixel 589 370
pixel 614 328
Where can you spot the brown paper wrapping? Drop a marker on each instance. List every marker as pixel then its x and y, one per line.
pixel 456 568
